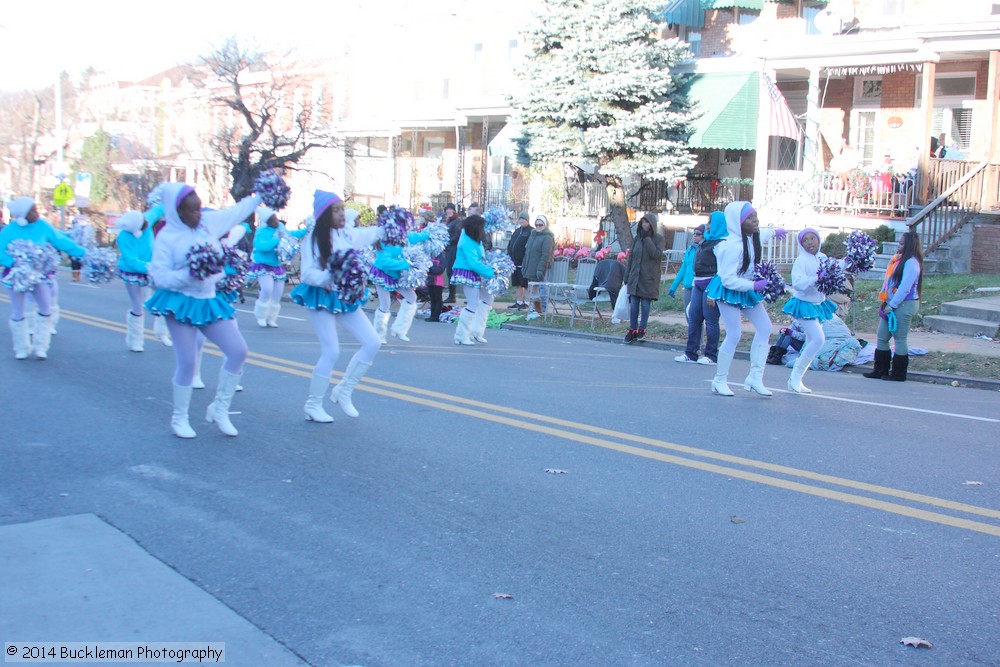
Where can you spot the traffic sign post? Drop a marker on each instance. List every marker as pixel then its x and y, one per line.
pixel 62 194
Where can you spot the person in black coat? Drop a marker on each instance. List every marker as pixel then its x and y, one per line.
pixel 516 248
pixel 454 224
pixel 643 274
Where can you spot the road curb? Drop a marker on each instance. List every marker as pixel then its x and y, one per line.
pixel 916 376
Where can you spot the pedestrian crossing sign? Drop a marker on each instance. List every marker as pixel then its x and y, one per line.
pixel 62 194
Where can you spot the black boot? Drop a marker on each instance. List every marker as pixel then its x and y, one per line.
pixel 630 336
pixel 900 362
pixel 881 368
pixel 775 354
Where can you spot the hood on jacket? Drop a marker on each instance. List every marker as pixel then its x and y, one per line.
pixel 716 227
pixel 131 222
pixel 173 195
pixel 19 208
pixel 736 212
pixel 798 238
pixel 264 214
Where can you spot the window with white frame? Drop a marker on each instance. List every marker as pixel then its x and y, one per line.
pixel 864 135
pixel 868 91
pixel 954 96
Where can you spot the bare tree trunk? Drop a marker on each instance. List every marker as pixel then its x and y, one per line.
pixel 619 215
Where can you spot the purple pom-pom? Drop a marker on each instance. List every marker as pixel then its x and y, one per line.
pixel 348 276
pixel 830 278
pixel 395 222
pixel 204 261
pixel 272 189
pixel 503 267
pixel 775 287
pixel 861 251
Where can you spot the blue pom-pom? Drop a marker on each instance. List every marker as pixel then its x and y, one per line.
pixel 775 287
pixel 100 265
pixel 438 241
pixel 498 219
pixel 415 276
pixel 272 189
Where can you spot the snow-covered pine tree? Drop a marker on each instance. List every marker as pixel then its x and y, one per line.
pixel 596 85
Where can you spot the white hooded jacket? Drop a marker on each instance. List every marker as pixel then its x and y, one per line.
pixel 312 270
pixel 169 267
pixel 804 272
pixel 729 251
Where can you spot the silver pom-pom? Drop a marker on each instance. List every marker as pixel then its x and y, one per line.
pixel 288 247
pixel 155 195
pixel 100 265
pixel 438 241
pixel 415 276
pixel 503 267
pixel 498 219
pixel 30 262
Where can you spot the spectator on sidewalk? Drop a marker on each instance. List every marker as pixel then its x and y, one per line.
pixel 454 224
pixel 685 273
pixel 900 297
pixel 515 248
pixel 643 275
pixel 538 255
pixel 702 309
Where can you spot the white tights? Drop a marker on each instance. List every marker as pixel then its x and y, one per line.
pixel 356 323
pixel 270 289
pixel 42 295
pixel 385 297
pixel 731 320
pixel 135 294
pixel 476 298
pixel 814 340
pixel 224 333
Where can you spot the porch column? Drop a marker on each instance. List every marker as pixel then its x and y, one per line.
pixel 927 104
pixel 992 113
pixel 761 153
pixel 811 148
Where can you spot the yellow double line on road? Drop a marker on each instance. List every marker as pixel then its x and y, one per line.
pixel 750 470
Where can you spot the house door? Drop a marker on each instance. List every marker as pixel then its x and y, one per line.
pixel 863 123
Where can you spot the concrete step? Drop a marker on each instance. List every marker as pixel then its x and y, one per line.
pixel 986 309
pixel 962 325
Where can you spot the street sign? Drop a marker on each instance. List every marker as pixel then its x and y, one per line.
pixel 62 194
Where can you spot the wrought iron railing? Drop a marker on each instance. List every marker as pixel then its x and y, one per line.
pixel 695 194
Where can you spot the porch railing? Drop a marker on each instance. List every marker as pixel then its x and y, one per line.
pixel 695 194
pixel 859 193
pixel 960 199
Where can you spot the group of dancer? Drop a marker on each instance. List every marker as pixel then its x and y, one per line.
pixel 192 308
pixel 732 254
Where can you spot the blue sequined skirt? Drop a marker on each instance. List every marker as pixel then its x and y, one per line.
pixel 466 277
pixel 276 272
pixel 140 279
pixel 380 277
pixel 188 309
pixel 717 291
pixel 317 298
pixel 803 310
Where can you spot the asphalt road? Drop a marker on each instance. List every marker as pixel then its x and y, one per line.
pixel 632 517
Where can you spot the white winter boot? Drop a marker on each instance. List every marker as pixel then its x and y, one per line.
pixel 218 409
pixel 404 319
pixel 381 322
pixel 720 384
pixel 55 312
pixel 479 323
pixel 161 331
pixel 272 314
pixel 795 379
pixel 31 318
pixel 314 405
pixel 260 313
pixel 43 336
pixel 179 420
pixel 22 340
pixel 135 335
pixel 342 391
pixel 755 379
pixel 463 331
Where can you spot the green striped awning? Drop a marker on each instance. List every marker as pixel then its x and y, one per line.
pixel 729 103
pixel 727 4
pixel 683 12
